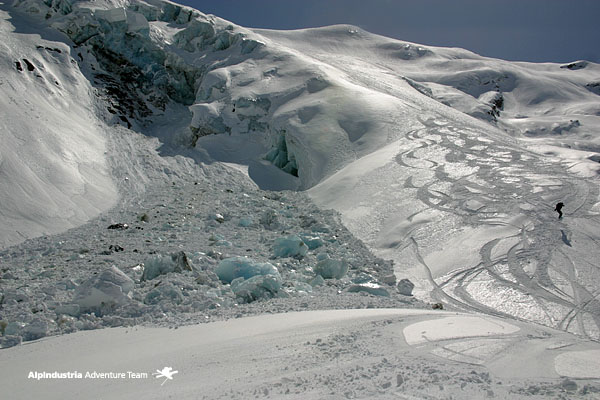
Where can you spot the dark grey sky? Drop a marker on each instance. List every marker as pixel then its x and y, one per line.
pixel 517 30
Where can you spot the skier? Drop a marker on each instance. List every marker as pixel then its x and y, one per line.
pixel 558 209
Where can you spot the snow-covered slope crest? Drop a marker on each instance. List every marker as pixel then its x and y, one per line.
pixel 303 116
pixel 53 174
pixel 308 102
pixel 536 100
pixel 295 107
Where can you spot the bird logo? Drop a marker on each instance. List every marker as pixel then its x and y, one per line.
pixel 166 372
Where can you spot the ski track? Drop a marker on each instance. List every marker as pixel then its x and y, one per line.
pixel 492 170
pixel 466 175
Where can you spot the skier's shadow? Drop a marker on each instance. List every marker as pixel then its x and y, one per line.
pixel 565 239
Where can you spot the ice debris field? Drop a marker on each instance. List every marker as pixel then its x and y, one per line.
pixel 320 213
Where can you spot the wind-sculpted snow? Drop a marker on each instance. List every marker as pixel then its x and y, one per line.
pixel 53 173
pixel 301 95
pixel 517 97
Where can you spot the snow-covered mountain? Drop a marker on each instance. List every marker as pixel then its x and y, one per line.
pixel 444 162
pixel 309 102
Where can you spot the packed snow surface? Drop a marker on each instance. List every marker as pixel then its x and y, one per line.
pixel 383 353
pixel 151 170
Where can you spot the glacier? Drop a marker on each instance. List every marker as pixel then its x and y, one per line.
pixel 224 150
pixel 287 102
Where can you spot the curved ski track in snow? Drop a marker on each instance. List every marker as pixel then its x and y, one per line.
pixel 537 237
pixel 527 265
pixel 464 209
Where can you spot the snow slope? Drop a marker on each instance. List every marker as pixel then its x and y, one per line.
pixel 53 173
pixel 460 205
pixel 307 102
pixel 384 353
pixel 445 162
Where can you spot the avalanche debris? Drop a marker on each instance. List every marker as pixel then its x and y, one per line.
pixel 169 272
